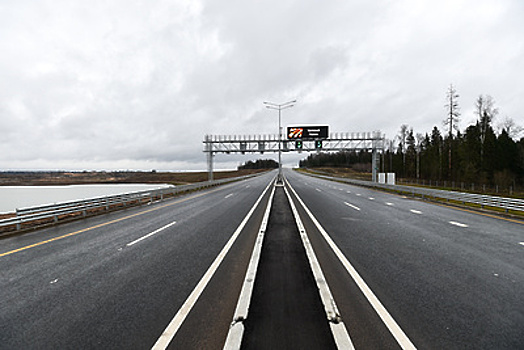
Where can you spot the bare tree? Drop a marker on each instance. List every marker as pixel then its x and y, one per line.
pixel 486 111
pixel 511 127
pixel 452 118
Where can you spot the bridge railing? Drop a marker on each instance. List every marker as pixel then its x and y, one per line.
pixel 484 201
pixel 49 213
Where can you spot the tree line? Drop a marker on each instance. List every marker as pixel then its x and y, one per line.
pixel 259 164
pixel 481 154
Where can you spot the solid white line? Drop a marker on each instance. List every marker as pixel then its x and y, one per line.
pixel 338 329
pixel 176 322
pixel 394 328
pixel 150 234
pixel 415 211
pixel 458 224
pixel 236 330
pixel 352 206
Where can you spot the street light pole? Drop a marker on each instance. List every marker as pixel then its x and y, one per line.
pixel 280 107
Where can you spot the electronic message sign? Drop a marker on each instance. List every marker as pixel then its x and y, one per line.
pixel 313 132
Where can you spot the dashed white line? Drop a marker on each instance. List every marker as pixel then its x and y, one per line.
pixel 348 191
pixel 229 195
pixel 352 206
pixel 318 189
pixel 150 234
pixel 415 211
pixel 390 204
pixel 371 198
pixel 358 194
pixel 521 243
pixel 459 224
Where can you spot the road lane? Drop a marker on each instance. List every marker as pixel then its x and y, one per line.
pixel 91 290
pixel 448 286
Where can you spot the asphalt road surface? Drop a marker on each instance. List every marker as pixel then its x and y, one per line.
pixel 403 273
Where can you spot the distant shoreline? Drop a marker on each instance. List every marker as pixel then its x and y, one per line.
pixel 57 178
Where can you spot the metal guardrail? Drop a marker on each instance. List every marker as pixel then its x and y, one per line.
pixel 57 211
pixel 505 203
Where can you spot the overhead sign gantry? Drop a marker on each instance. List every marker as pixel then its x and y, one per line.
pixel 307 142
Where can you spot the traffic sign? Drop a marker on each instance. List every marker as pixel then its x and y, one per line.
pixel 311 132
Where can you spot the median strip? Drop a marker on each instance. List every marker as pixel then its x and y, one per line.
pixel 397 332
pixel 338 329
pixel 236 331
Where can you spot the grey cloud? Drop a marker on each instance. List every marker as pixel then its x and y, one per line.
pixel 142 83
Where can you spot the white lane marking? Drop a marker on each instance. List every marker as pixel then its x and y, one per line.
pixel 358 194
pixel 371 198
pixel 348 191
pixel 236 330
pixel 416 211
pixel 54 281
pixel 150 234
pixel 521 243
pixel 229 195
pixel 248 186
pixel 170 331
pixel 390 204
pixel 352 206
pixel 459 224
pixel 338 329
pixel 319 190
pixel 394 328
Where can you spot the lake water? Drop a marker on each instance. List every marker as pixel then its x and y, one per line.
pixel 13 197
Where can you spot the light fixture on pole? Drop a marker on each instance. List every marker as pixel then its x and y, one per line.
pixel 280 107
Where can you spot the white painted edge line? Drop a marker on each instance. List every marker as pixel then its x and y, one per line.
pixel 170 331
pixel 459 224
pixel 236 330
pixel 352 206
pixel 338 329
pixel 391 324
pixel 151 234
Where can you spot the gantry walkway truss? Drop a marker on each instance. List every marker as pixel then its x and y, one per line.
pixel 243 144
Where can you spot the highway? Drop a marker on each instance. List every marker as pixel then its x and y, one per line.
pixel 403 273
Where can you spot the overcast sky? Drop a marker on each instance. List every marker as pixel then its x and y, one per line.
pixel 117 84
